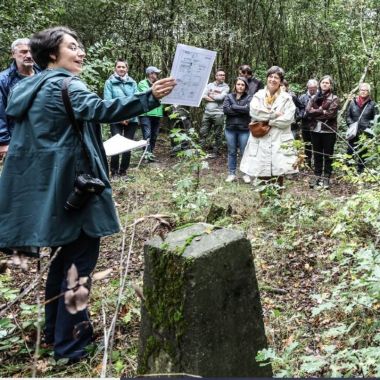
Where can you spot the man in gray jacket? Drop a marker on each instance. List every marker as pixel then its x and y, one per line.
pixel 213 117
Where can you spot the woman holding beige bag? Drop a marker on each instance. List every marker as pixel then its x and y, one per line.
pixel 269 154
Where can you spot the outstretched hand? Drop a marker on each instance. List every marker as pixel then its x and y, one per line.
pixel 3 151
pixel 163 87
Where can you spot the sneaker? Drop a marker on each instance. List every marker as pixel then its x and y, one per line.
pixel 326 183
pixel 315 182
pixel 246 178
pixel 231 178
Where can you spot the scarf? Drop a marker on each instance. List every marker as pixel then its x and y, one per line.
pixel 123 79
pixel 269 99
pixel 361 101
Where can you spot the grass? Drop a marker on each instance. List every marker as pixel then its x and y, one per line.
pixel 291 240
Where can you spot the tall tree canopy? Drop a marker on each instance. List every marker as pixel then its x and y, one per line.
pixel 308 38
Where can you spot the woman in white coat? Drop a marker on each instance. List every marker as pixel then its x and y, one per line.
pixel 271 156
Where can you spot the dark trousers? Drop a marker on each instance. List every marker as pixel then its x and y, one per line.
pixel 127 131
pixel 357 152
pixel 150 126
pixel 70 333
pixel 306 137
pixel 212 125
pixel 323 150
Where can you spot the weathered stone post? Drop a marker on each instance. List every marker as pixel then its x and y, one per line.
pixel 202 313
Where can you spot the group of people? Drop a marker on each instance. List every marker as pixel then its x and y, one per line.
pixel 280 112
pixel 119 85
pixel 54 186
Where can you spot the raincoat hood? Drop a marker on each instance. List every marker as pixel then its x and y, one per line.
pixel 117 79
pixel 22 95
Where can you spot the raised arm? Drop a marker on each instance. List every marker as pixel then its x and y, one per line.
pixel 88 106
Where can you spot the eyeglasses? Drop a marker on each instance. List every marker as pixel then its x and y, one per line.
pixel 74 47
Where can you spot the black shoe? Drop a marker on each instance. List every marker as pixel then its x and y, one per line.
pixel 68 361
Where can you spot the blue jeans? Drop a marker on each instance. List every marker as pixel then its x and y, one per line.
pixel 150 126
pixel 234 139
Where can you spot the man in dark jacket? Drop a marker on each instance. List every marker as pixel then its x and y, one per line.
pixel 303 100
pixel 21 67
pixel 254 84
pixel 362 110
pixel 298 105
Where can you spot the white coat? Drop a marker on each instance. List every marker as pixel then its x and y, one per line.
pixel 267 156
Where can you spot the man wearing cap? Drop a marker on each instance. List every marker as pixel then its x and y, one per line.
pixel 150 121
pixel 21 67
pixel 254 84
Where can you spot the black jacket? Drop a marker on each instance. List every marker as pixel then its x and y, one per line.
pixel 254 85
pixel 354 111
pixel 303 100
pixel 237 111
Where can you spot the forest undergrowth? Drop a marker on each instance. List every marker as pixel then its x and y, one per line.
pixel 316 255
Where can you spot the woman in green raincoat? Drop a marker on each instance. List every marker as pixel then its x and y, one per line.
pixel 44 161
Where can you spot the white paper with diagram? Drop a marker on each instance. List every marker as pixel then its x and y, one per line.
pixel 191 69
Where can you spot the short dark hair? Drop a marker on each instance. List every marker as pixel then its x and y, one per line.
pixel 276 70
pixel 45 43
pixel 246 68
pixel 121 60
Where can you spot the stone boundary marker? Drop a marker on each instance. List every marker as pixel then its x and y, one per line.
pixel 202 313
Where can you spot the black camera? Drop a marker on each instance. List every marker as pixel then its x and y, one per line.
pixel 85 186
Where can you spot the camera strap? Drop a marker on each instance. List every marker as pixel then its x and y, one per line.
pixel 74 122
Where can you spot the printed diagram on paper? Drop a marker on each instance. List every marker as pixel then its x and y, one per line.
pixel 191 70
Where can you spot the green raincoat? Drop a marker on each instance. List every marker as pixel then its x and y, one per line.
pixel 45 157
pixel 145 85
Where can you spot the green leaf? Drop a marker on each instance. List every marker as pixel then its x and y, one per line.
pixel 312 364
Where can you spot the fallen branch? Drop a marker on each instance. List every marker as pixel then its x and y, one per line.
pixel 39 320
pixel 270 289
pixel 109 335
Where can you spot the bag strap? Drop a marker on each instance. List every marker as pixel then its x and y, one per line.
pixel 78 126
pixel 362 112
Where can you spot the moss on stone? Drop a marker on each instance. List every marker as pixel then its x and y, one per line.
pixel 164 303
